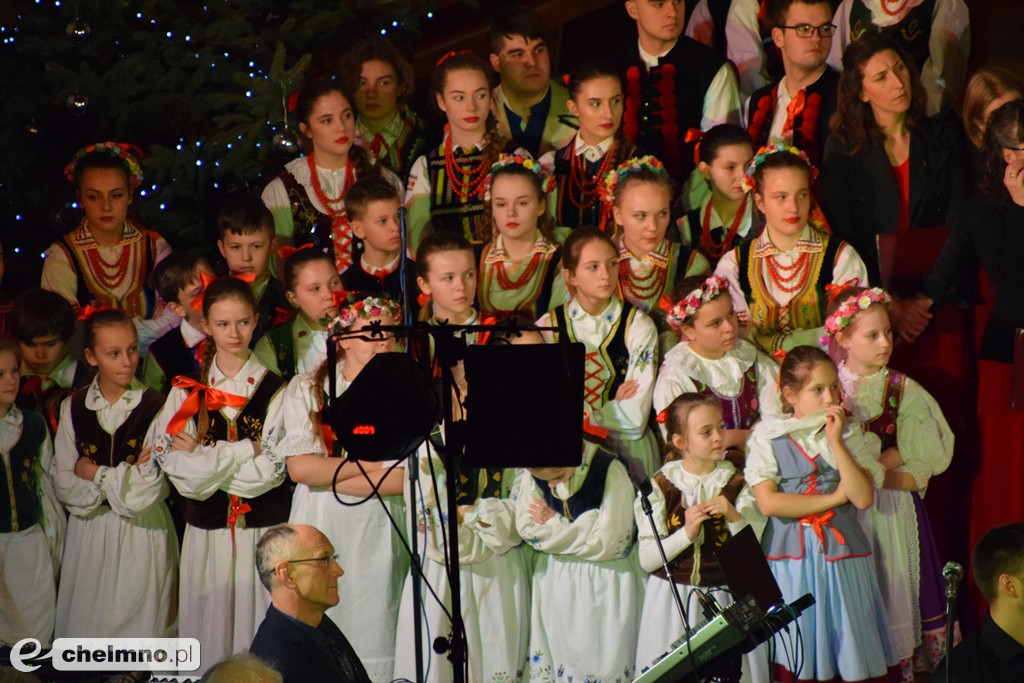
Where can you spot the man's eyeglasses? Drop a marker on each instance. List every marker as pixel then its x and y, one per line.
pixel 806 30
pixel 325 560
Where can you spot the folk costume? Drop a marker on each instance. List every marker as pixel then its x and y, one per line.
pixel 397 144
pixel 903 415
pixel 231 496
pixel 178 352
pixel 368 546
pixel 642 282
pixel 28 566
pixel 292 348
pixel 676 489
pixel 621 345
pixel 532 289
pixel 362 277
pixel 844 635
pixel 585 572
pixel 546 127
pixel 935 33
pixel 704 231
pixel 579 169
pixel 45 393
pixel 493 572
pixel 272 307
pixel 782 294
pixel 120 569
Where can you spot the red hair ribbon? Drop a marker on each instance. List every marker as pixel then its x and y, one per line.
pixel 662 417
pixel 593 429
pixel 694 135
pixel 215 400
pixel 200 350
pixel 451 53
pixel 665 303
pixel 280 316
pixel 287 251
pixel 762 11
pixel 89 309
pixel 422 299
pixel 206 279
pixel 565 80
pixel 832 290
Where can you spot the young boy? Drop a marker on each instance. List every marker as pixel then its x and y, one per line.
pixel 246 229
pixel 177 279
pixel 372 208
pixel 42 322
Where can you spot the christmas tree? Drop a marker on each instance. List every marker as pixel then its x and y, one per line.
pixel 201 87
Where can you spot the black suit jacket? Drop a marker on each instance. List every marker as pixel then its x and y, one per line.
pixel 296 653
pixel 860 197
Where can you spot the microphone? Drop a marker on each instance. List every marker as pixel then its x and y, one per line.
pixel 952 574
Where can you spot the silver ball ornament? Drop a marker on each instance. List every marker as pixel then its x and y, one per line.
pixel 77 29
pixel 77 103
pixel 284 143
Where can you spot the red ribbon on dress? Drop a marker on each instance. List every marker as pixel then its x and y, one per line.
pixel 237 509
pixel 215 400
pixel 592 429
pixel 287 251
pixel 694 135
pixel 820 521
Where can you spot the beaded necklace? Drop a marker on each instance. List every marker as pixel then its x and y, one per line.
pixel 102 270
pixel 643 289
pixel 707 244
pixel 885 4
pixel 583 187
pixel 474 173
pixel 782 276
pixel 318 190
pixel 507 283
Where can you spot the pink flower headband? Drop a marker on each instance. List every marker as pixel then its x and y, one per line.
pixel 850 307
pixel 765 152
pixel 370 307
pixel 612 179
pixel 687 307
pixel 127 153
pixel 547 181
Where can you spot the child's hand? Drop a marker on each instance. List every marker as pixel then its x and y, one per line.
pixel 540 512
pixel 720 505
pixel 463 510
pixel 695 516
pixel 627 390
pixel 86 469
pixel 257 447
pixel 145 455
pixel 835 418
pixel 183 441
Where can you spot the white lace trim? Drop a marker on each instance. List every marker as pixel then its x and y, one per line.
pixel 724 375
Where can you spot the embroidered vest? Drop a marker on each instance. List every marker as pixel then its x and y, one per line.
pixel 534 296
pixel 283 344
pixel 311 226
pixel 695 231
pixel 126 443
pixel 806 310
pixel 839 534
pixel 140 299
pixel 716 533
pixel 810 125
pixel 173 356
pixel 18 480
pixel 269 508
pixel 605 367
pixel 406 147
pixel 569 197
pixel 447 210
pixel 272 308
pixel 884 425
pixel 645 294
pixel 591 491
pixel 740 411
pixel 913 32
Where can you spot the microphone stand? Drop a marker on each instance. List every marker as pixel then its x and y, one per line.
pixel 952 573
pixel 645 489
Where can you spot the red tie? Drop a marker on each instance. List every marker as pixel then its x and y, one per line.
pixel 793 109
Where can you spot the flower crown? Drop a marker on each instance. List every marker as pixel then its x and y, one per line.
pixel 765 152
pixel 842 316
pixel 547 181
pixel 352 308
pixel 612 179
pixel 687 307
pixel 127 153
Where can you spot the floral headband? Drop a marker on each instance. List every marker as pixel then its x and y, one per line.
pixel 351 309
pixel 765 152
pixel 127 153
pixel 842 316
pixel 547 181
pixel 687 307
pixel 612 179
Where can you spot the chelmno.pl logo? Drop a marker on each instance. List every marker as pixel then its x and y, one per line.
pixel 109 654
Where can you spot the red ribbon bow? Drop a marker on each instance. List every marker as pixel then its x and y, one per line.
pixel 592 429
pixel 665 303
pixel 451 53
pixel 832 290
pixel 281 316
pixel 287 251
pixel 237 508
pixel 821 521
pixel 89 309
pixel 206 279
pixel 694 135
pixel 662 417
pixel 215 400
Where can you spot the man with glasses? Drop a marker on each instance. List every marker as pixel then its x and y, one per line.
pixel 797 108
pixel 299 567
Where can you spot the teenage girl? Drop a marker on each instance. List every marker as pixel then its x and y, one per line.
pixel 579 168
pixel 777 281
pixel 520 264
pixel 105 260
pixel 446 185
pixel 726 218
pixel 215 441
pixel 917 444
pixel 699 500
pixel 307 197
pixel 120 575
pixel 713 360
pixel 368 546
pixel 620 341
pixel 300 346
pixel 27 566
pixel 580 522
pixel 640 194
pixel 811 472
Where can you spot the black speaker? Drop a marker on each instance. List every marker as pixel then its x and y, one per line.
pixel 386 412
pixel 524 405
